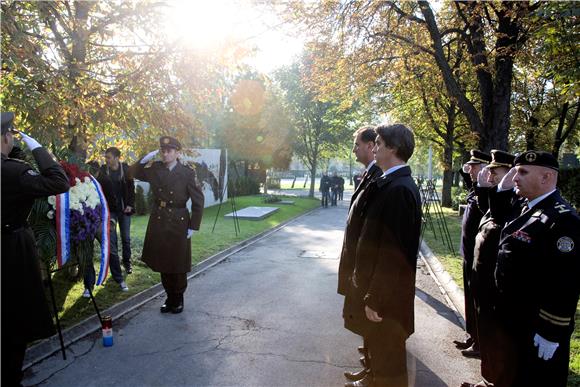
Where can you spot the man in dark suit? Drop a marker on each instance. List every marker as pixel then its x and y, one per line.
pixel 364 141
pixel 537 273
pixel 167 246
pixel 469 227
pixel 25 313
pixel 379 304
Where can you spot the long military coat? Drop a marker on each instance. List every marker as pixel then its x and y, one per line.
pixel 537 276
pixel 386 256
pixel 25 313
pixel 166 248
pixel 352 230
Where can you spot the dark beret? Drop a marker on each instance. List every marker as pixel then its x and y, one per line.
pixel 169 142
pixel 500 158
pixel 539 158
pixel 7 122
pixel 479 157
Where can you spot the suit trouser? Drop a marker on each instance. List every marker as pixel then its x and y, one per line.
pixel 174 285
pixel 388 357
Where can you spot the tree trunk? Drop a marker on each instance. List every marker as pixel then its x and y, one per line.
pixel 312 180
pixel 447 175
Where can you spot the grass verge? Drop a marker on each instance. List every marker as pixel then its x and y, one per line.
pixel 73 308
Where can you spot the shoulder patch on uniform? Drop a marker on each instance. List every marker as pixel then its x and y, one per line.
pixel 32 172
pixel 561 208
pixel 565 244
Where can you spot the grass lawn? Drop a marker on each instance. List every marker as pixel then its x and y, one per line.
pixel 74 308
pixel 452 264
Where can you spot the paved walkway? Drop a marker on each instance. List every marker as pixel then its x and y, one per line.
pixel 267 316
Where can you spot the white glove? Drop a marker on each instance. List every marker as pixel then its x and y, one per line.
pixel 465 168
pixel 190 233
pixel 546 348
pixel 482 177
pixel 149 156
pixel 31 143
pixel 507 182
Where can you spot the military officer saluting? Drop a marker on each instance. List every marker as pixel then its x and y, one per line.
pixel 537 274
pixel 25 313
pixel 167 245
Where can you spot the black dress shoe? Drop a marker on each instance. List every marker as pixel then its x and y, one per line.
pixel 463 344
pixel 165 308
pixel 363 362
pixel 367 381
pixel 471 352
pixel 177 309
pixel 356 375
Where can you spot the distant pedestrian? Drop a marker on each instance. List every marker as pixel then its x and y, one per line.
pixel 334 187
pixel 25 313
pixel 167 245
pixel 340 188
pixel 325 184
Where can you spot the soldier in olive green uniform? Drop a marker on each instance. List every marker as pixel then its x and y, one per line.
pixel 25 313
pixel 167 246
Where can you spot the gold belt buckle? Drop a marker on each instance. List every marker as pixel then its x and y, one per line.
pixel 162 204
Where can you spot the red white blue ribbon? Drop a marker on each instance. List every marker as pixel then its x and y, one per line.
pixel 105 229
pixel 62 216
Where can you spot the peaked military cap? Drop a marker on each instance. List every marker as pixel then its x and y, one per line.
pixel 500 158
pixel 479 157
pixel 169 142
pixel 539 158
pixel 7 122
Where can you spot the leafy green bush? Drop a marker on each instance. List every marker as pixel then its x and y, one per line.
pixel 569 185
pixel 271 199
pixel 243 185
pixel 458 196
pixel 141 207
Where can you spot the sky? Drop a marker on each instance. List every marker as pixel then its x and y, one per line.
pixel 206 25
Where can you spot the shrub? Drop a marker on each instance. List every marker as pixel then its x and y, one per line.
pixel 141 207
pixel 569 185
pixel 243 186
pixel 458 196
pixel 271 199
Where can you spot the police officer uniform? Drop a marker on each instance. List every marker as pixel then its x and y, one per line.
pixel 537 273
pixel 482 282
pixel 469 228
pixel 25 313
pixel 166 248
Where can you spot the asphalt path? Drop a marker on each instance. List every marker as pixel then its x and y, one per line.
pixel 268 315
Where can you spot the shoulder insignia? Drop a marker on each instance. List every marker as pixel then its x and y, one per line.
pixel 32 172
pixel 561 208
pixel 565 244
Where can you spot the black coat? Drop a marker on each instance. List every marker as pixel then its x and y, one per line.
pixel 537 276
pixel 352 231
pixel 127 188
pixel 386 255
pixel 25 313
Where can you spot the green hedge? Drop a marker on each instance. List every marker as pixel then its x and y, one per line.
pixel 569 185
pixel 243 186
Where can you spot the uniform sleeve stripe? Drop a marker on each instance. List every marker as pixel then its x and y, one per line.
pixel 563 324
pixel 554 317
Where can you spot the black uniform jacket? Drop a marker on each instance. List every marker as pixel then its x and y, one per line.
pixel 25 313
pixel 386 255
pixel 538 269
pixel 352 230
pixel 166 248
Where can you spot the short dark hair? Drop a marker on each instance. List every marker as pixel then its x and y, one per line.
pixel 367 133
pixel 399 137
pixel 114 151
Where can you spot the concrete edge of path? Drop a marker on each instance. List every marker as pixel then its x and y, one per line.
pixel 47 347
pixel 451 291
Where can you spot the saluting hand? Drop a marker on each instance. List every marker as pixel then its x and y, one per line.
pixel 482 177
pixel 31 143
pixel 507 182
pixel 149 156
pixel 372 315
pixel 546 348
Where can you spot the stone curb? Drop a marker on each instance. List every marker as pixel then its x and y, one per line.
pixel 451 291
pixel 47 347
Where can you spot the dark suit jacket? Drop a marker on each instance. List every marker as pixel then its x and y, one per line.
pixel 386 255
pixel 352 230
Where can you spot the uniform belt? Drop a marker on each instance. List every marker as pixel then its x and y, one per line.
pixel 169 204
